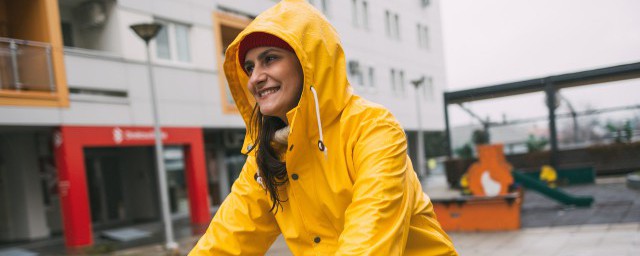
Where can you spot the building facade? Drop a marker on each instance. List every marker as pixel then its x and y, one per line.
pixel 76 137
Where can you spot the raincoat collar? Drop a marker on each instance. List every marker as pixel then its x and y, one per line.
pixel 317 46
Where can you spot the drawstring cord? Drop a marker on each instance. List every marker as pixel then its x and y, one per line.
pixel 321 145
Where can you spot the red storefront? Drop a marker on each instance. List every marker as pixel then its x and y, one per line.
pixel 70 142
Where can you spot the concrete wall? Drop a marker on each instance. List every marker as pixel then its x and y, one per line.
pixel 23 210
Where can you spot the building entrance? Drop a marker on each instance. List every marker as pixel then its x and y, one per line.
pixel 121 185
pixel 105 190
pixel 122 159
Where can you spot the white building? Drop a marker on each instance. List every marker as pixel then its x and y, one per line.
pixel 76 116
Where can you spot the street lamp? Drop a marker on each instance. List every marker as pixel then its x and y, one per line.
pixel 420 140
pixel 148 31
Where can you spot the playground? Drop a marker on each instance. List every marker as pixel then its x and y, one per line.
pixel 499 180
pixel 613 203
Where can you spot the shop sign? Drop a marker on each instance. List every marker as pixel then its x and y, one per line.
pixel 129 135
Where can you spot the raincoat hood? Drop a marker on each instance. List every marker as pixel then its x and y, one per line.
pixel 326 90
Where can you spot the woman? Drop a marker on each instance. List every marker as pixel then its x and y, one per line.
pixel 325 168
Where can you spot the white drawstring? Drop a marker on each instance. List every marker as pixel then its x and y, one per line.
pixel 321 145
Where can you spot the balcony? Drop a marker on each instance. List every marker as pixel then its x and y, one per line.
pixel 26 66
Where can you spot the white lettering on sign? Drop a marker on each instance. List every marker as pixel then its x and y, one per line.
pixel 120 135
pixel 117 135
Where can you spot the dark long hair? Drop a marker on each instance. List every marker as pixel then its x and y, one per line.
pixel 272 170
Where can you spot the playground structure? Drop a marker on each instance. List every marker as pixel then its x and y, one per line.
pixel 493 204
pixel 495 188
pixel 496 194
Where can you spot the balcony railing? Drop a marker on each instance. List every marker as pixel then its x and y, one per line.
pixel 26 66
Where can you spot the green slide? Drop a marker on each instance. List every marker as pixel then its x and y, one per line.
pixel 553 193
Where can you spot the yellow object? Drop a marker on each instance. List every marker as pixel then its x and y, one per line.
pixel 464 181
pixel 548 174
pixel 355 193
pixel 464 184
pixel 432 164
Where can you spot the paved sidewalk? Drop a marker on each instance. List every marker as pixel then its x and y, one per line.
pixel 578 240
pixel 584 240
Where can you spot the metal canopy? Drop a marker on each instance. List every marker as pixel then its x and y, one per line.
pixel 608 74
pixel 549 85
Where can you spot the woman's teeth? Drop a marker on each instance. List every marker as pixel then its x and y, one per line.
pixel 268 91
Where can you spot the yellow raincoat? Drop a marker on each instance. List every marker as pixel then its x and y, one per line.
pixel 357 195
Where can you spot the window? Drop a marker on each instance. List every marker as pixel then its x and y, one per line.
pixel 397 26
pixel 423 36
pixel 427 89
pixel 361 76
pixel 228 26
pixel 172 42
pixel 322 5
pixel 387 23
pixel 325 7
pixel 424 3
pixel 397 82
pixel 365 15
pixel 372 78
pixel 401 84
pixel 392 25
pixel 419 30
pixel 354 13
pixel 67 34
pixel 355 73
pixel 393 81
pixel 360 14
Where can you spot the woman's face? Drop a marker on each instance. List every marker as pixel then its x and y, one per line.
pixel 275 80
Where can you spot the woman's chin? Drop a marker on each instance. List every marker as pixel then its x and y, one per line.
pixel 268 112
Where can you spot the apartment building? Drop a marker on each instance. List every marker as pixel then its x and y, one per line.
pixel 76 136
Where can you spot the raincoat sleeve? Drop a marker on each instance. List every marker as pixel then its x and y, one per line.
pixel 377 220
pixel 243 225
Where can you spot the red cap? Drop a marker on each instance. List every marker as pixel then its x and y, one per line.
pixel 260 39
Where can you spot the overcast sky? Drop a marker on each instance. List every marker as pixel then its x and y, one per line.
pixel 488 42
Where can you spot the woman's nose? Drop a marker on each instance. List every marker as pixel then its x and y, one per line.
pixel 258 77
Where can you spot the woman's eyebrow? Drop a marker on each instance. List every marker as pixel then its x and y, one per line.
pixel 262 55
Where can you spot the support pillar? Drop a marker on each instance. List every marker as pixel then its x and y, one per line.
pixel 72 186
pixel 196 173
pixel 550 91
pixel 447 128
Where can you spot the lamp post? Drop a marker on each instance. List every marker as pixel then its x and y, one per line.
pixel 147 32
pixel 420 140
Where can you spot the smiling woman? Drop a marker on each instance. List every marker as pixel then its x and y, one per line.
pixel 325 168
pixel 275 78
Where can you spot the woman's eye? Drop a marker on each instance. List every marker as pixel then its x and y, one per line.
pixel 248 69
pixel 270 58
